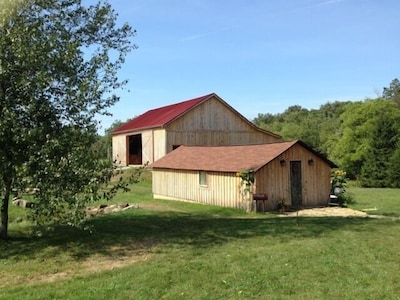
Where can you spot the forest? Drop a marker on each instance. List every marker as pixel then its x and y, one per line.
pixel 361 137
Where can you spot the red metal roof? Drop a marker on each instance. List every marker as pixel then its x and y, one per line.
pixel 222 158
pixel 160 116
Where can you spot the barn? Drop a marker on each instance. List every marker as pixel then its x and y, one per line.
pixel 283 172
pixel 203 121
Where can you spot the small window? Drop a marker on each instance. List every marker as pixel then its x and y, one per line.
pixel 203 178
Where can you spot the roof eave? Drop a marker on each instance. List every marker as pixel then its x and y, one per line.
pixel 329 162
pixel 138 129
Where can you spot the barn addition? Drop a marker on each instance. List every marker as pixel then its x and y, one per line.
pixel 289 173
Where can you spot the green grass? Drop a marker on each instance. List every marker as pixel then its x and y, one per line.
pixel 175 250
pixel 382 201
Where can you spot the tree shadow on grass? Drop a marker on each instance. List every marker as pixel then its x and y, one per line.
pixel 117 234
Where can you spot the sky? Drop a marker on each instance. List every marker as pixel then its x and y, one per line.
pixel 260 56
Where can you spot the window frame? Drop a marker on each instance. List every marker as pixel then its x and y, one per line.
pixel 203 178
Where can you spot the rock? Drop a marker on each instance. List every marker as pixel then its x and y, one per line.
pixel 22 203
pixel 108 209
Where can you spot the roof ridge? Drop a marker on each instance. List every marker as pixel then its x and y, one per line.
pixel 179 103
pixel 161 116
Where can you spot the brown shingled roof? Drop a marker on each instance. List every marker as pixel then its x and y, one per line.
pixel 222 158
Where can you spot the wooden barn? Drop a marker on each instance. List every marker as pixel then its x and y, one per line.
pixel 289 173
pixel 203 121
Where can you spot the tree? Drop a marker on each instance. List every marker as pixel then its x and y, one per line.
pixel 376 169
pixel 350 149
pixel 394 171
pixel 329 119
pixel 103 143
pixel 58 71
pixel 393 91
pixel 357 133
pixel 295 122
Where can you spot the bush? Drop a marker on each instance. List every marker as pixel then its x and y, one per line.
pixel 338 188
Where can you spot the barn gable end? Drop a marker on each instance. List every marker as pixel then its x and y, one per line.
pixel 206 120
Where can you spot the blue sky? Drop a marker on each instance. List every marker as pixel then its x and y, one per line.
pixel 260 56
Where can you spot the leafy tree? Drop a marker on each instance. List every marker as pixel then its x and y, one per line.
pixel 103 143
pixel 349 151
pixel 347 132
pixel 356 135
pixel 393 91
pixel 58 71
pixel 329 116
pixel 394 171
pixel 376 168
pixel 296 122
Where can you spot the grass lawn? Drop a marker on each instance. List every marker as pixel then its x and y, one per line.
pixel 376 200
pixel 174 250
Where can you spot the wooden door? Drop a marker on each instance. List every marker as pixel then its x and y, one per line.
pixel 295 184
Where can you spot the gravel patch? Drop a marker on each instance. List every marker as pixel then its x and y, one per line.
pixel 326 212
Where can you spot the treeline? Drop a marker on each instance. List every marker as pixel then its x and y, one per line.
pixel 362 137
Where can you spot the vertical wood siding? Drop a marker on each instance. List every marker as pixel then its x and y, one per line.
pixel 147 146
pixel 274 179
pixel 119 149
pixel 159 143
pixel 119 146
pixel 222 188
pixel 213 124
pixel 209 124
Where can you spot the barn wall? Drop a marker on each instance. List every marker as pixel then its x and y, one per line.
pixel 274 179
pixel 119 149
pixel 213 124
pixel 159 143
pixel 147 146
pixel 222 189
pixel 153 146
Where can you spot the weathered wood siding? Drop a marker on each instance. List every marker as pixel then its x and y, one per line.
pixel 147 146
pixel 119 148
pixel 222 188
pixel 213 124
pixel 274 179
pixel 153 146
pixel 159 143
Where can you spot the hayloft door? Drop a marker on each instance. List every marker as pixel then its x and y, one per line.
pixel 295 184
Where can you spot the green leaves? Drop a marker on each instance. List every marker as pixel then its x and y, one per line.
pixel 58 70
pixel 393 91
pixel 8 8
pixel 360 136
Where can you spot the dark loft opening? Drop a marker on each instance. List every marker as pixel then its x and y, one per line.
pixel 135 149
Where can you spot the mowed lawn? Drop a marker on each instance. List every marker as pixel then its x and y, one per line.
pixel 175 250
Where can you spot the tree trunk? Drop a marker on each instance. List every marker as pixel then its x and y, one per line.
pixel 4 210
